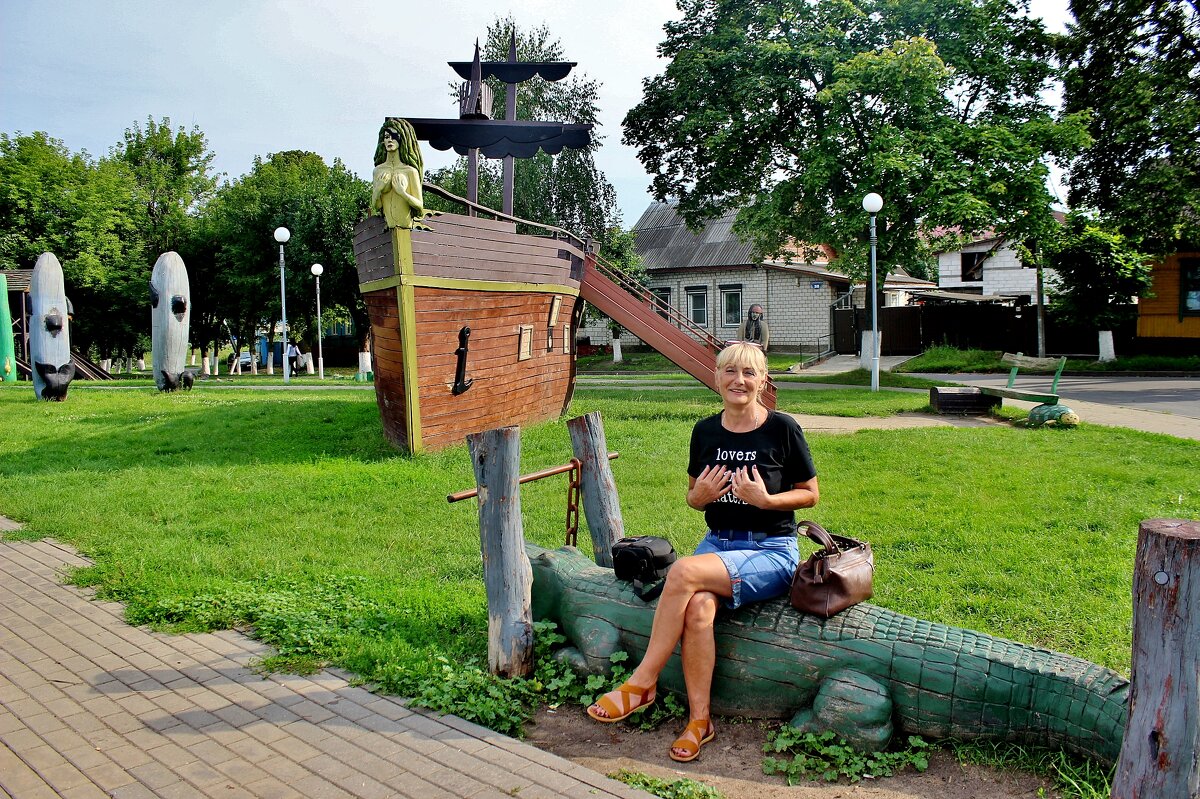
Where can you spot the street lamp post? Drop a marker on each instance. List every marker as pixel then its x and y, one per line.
pixel 317 270
pixel 282 234
pixel 872 204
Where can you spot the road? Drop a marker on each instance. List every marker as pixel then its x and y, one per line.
pixel 1174 395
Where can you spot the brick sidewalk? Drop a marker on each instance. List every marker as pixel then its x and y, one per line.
pixel 91 707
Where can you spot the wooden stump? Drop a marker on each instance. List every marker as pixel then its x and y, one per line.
pixel 597 486
pixel 1160 756
pixel 507 575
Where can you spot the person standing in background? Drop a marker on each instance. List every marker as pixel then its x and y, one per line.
pixel 754 329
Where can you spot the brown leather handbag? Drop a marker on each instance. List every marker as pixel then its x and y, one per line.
pixel 834 577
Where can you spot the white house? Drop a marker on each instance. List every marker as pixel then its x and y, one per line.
pixel 713 277
pixel 991 267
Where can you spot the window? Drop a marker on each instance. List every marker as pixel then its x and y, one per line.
pixel 525 343
pixel 1189 286
pixel 697 305
pixel 662 300
pixel 731 304
pixel 972 265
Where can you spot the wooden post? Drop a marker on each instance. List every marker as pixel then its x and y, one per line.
pixel 1160 755
pixel 599 489
pixel 507 575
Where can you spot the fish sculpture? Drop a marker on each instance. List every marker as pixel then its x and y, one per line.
pixel 170 316
pixel 865 674
pixel 49 333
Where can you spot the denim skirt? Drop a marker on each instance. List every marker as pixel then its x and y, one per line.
pixel 758 570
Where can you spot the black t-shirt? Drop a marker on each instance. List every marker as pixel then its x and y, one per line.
pixel 777 448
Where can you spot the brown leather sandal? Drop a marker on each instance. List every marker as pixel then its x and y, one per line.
pixel 695 735
pixel 622 703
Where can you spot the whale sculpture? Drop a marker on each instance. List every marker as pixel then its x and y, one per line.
pixel 864 674
pixel 170 316
pixel 49 334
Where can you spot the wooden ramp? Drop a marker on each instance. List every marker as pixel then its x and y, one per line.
pixel 663 327
pixel 84 369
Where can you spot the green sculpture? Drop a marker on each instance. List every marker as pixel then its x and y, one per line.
pixel 1060 415
pixel 8 357
pixel 864 673
pixel 399 169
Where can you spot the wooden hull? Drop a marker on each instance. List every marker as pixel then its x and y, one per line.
pixel 517 294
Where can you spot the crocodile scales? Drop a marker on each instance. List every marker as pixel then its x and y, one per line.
pixel 864 674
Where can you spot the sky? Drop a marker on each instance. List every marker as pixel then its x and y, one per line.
pixel 260 77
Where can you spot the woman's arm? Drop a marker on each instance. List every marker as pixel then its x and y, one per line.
pixel 750 488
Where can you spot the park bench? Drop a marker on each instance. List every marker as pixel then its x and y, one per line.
pixel 978 400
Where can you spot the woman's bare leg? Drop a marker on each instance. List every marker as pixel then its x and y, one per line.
pixel 689 576
pixel 699 653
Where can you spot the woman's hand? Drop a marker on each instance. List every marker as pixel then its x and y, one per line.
pixel 749 487
pixel 711 485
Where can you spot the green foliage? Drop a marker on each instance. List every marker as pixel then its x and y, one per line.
pixel 1072 777
pixel 952 359
pixel 1098 273
pixel 667 789
pixel 1135 68
pixel 171 169
pixel 92 216
pixel 825 756
pixel 239 259
pixel 794 111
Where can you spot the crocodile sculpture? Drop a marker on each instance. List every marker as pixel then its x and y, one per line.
pixel 865 673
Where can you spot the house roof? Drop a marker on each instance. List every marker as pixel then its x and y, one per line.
pixel 663 241
pixel 18 279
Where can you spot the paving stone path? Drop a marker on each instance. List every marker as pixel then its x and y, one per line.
pixel 92 707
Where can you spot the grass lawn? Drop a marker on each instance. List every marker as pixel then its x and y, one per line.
pixel 289 513
pixel 952 359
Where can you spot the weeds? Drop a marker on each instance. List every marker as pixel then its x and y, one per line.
pixel 667 789
pixel 824 756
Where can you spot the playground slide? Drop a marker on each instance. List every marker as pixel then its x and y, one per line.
pixel 661 326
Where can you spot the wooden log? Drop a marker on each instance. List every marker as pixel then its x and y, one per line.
pixel 1160 755
pixel 597 486
pixel 507 575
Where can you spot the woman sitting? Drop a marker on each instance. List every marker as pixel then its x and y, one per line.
pixel 749 468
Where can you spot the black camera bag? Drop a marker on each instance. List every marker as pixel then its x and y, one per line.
pixel 643 561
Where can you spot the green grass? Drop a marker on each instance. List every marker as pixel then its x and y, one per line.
pixel 652 361
pixel 224 507
pixel 952 360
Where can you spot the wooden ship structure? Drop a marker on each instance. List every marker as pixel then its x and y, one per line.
pixel 473 314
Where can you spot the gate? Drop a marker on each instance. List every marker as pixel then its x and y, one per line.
pixel 899 329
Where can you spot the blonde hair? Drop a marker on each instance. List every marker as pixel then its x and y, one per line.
pixel 741 355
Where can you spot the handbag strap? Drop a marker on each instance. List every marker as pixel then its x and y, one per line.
pixel 819 534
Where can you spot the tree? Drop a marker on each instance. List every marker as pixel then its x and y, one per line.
pixel 319 204
pixel 1099 272
pixel 1136 67
pixel 172 170
pixel 566 190
pixel 794 111
pixel 89 215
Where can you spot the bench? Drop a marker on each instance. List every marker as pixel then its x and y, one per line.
pixel 983 399
pixel 1020 361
